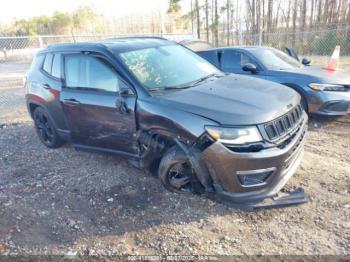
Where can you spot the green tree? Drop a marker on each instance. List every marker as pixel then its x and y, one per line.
pixel 174 6
pixel 85 20
pixel 82 20
pixel 61 23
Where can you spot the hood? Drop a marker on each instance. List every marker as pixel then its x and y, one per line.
pixel 320 75
pixel 234 100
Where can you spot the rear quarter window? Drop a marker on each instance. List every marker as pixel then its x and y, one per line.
pixel 37 62
pixel 48 63
pixel 56 66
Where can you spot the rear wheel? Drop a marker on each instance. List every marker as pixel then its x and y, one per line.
pixel 175 171
pixel 45 129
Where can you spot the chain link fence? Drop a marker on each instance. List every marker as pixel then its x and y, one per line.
pixel 16 53
pixel 317 45
pixel 24 48
pixel 315 42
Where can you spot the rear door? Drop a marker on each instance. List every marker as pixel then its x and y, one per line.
pixel 45 84
pixel 99 105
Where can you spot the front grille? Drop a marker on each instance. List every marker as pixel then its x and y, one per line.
pixel 294 152
pixel 280 127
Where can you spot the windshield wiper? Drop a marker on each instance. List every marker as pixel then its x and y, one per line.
pixel 184 86
pixel 205 78
pixel 161 88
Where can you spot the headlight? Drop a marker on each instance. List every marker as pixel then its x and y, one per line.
pixel 327 87
pixel 234 135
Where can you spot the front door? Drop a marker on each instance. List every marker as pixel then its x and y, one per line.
pixel 232 61
pixel 99 106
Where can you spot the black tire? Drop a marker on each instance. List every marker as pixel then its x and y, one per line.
pixel 46 129
pixel 174 160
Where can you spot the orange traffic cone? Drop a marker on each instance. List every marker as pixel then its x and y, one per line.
pixel 332 64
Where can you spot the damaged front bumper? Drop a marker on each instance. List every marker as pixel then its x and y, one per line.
pixel 254 180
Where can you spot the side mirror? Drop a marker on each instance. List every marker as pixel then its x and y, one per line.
pixel 250 68
pixel 306 61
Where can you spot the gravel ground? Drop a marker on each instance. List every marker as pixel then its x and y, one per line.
pixel 67 202
pixel 11 73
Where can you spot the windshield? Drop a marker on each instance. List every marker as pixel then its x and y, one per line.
pixel 168 66
pixel 274 59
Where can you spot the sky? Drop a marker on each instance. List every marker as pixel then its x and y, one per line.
pixel 11 9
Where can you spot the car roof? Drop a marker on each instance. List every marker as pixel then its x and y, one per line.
pixel 237 48
pixel 116 45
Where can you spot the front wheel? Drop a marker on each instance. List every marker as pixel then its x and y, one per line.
pixel 175 171
pixel 46 129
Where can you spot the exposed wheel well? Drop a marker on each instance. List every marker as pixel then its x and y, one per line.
pixel 153 146
pixel 32 107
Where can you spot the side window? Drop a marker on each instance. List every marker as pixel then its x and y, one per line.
pixel 37 62
pixel 48 63
pixel 90 72
pixel 56 66
pixel 232 61
pixel 210 56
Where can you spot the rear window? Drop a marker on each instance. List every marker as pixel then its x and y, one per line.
pixel 48 63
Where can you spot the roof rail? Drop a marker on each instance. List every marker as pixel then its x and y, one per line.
pixel 132 37
pixel 61 46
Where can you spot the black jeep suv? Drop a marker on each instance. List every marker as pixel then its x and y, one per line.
pixel 165 108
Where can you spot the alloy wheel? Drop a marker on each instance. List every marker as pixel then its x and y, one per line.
pixel 179 177
pixel 44 128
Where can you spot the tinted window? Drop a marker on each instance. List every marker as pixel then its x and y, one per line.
pixel 91 72
pixel 56 66
pixel 211 56
pixel 37 61
pixel 48 63
pixel 232 61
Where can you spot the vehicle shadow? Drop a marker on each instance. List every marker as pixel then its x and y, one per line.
pixel 316 121
pixel 58 197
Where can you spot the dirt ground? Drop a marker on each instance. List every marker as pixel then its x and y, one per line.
pixel 67 202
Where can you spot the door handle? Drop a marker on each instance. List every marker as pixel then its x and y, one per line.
pixel 71 101
pixel 47 86
pixel 121 106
